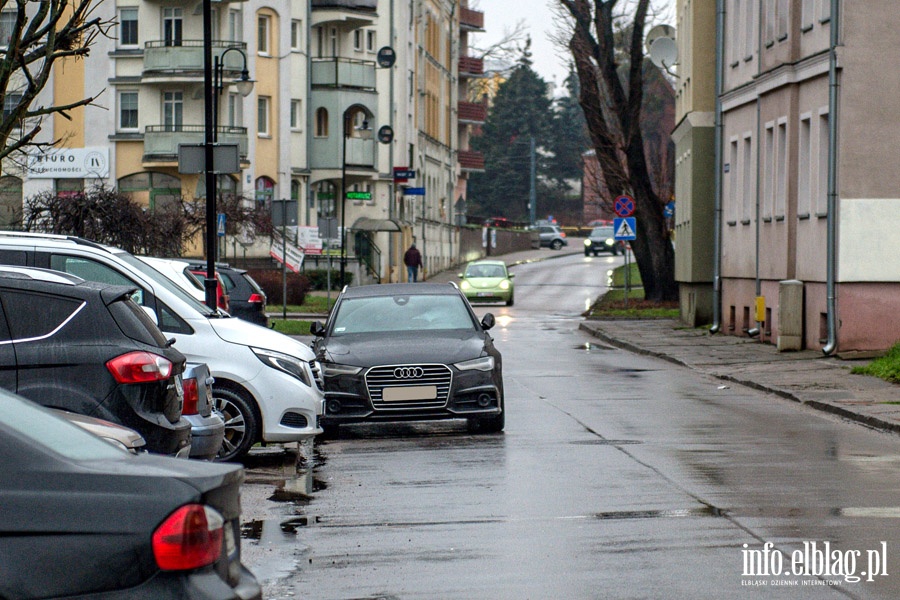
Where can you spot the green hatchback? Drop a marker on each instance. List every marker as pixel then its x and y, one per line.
pixel 487 281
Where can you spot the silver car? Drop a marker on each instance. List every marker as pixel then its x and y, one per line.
pixel 207 425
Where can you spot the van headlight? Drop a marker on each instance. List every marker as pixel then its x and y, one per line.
pixel 285 363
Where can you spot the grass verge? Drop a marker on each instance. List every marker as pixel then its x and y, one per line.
pixel 291 326
pixel 887 367
pixel 614 304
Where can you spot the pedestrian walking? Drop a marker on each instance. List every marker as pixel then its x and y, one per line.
pixel 413 260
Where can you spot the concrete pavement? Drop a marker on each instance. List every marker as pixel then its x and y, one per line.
pixel 807 377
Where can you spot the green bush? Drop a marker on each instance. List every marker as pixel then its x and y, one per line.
pixel 318 279
pixel 270 281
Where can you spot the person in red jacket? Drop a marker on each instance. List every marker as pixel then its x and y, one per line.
pixel 413 260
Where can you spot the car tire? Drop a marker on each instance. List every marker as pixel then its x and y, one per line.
pixel 587 252
pixel 241 423
pixel 556 244
pixel 510 301
pixel 331 431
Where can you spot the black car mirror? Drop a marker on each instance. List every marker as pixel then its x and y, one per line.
pixel 317 329
pixel 487 321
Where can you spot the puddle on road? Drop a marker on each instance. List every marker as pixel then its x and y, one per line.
pixel 704 511
pixel 591 346
pixel 297 489
pixel 275 530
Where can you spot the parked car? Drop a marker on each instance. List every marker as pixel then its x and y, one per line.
pixel 222 299
pixel 246 298
pixel 487 281
pixel 207 426
pixel 552 236
pixel 408 351
pixel 82 518
pixel 88 348
pixel 179 271
pixel 603 239
pixel 122 437
pixel 264 389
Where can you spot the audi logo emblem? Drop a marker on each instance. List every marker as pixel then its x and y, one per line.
pixel 409 372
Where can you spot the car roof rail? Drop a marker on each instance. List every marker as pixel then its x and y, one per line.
pixel 53 236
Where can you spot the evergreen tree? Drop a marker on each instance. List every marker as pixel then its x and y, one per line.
pixel 521 110
pixel 570 139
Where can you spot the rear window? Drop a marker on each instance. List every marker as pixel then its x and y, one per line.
pixel 136 324
pixel 256 287
pixel 34 316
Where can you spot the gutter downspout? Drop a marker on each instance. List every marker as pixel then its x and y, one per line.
pixel 717 223
pixel 830 260
pixel 754 332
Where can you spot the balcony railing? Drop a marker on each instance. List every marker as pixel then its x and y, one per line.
pixel 471 161
pixel 350 4
pixel 473 67
pixel 472 20
pixel 472 112
pixel 161 141
pixel 161 56
pixel 343 73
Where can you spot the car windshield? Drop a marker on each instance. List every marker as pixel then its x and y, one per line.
pixel 485 271
pixel 165 282
pixel 383 314
pixel 26 419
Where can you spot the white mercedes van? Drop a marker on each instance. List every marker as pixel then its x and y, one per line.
pixel 266 385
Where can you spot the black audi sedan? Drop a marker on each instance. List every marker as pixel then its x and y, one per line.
pixel 82 518
pixel 408 352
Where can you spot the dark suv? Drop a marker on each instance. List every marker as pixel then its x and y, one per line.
pixel 246 299
pixel 88 348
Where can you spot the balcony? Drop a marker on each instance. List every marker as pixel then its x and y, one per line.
pixel 470 66
pixel 161 141
pixel 471 113
pixel 351 14
pixel 343 73
pixel 164 62
pixel 471 20
pixel 470 161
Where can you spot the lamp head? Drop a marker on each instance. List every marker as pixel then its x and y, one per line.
pixel 244 83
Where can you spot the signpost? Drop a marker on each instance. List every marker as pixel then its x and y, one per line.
pixel 625 228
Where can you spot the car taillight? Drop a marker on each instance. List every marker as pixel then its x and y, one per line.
pixel 139 367
pixel 191 397
pixel 562 234
pixel 189 538
pixel 256 298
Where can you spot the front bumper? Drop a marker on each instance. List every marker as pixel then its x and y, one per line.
pixel 290 409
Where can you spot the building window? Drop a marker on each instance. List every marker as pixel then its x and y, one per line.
pixel 11 102
pixel 7 24
pixel 747 179
pixel 806 14
pixel 782 164
pixel 262 116
pixel 295 190
pixel 128 111
pixel 296 35
pixel 731 168
pixel 768 199
pixel 358 40
pixel 235 108
pixel 68 188
pixel 370 41
pixel 262 34
pixel 804 167
pixel 749 28
pixel 172 26
pixel 10 201
pixel 770 21
pixel 235 28
pixel 173 111
pixel 128 27
pixel 321 122
pixel 782 9
pixel 296 115
pixel 822 192
pixel 265 190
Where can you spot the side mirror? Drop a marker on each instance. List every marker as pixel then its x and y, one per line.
pixel 317 329
pixel 488 321
pixel 152 314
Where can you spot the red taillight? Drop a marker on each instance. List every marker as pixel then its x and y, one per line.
pixel 191 397
pixel 190 538
pixel 562 234
pixel 139 367
pixel 256 298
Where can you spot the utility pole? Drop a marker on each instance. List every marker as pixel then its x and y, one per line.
pixel 532 192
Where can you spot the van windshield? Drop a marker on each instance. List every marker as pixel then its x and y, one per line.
pixel 165 282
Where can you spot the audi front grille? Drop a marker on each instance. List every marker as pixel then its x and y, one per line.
pixel 409 386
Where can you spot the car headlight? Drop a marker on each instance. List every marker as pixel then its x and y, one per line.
pixel 587 242
pixel 504 285
pixel 610 242
pixel 334 369
pixel 485 363
pixel 285 363
pixel 464 285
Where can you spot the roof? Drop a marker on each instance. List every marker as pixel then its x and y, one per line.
pixel 394 289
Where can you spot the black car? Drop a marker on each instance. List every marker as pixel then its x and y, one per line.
pixel 246 299
pixel 87 348
pixel 408 351
pixel 84 519
pixel 602 239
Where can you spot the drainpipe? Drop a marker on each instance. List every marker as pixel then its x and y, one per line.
pixel 754 331
pixel 717 223
pixel 830 262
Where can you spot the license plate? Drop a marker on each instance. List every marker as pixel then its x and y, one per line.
pixel 485 294
pixel 399 394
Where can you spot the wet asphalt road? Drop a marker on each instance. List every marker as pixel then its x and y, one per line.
pixel 618 476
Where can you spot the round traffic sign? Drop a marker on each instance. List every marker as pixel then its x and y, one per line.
pixel 624 206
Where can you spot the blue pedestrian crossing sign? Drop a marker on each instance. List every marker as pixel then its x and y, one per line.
pixel 624 228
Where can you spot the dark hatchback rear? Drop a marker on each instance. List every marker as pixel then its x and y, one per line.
pixel 88 348
pixel 84 519
pixel 246 299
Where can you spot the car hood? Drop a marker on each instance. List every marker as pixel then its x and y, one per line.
pixel 238 331
pixel 365 350
pixel 485 282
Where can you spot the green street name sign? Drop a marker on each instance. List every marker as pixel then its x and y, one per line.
pixel 359 195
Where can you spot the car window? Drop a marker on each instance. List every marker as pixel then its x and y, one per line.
pixel 34 316
pixel 26 419
pixel 384 314
pixel 227 281
pixel 163 281
pixel 485 271
pixel 91 270
pixel 135 323
pixel 14 257
pixel 256 287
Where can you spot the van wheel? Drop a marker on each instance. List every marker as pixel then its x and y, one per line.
pixel 241 424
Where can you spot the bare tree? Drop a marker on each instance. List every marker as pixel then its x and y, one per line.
pixel 42 34
pixel 612 88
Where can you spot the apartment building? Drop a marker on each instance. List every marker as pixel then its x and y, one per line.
pixel 344 92
pixel 810 206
